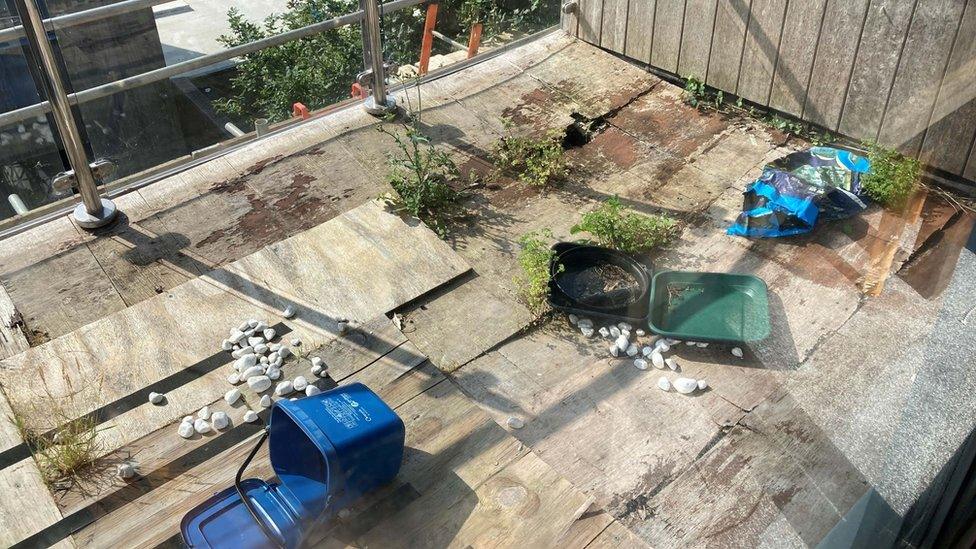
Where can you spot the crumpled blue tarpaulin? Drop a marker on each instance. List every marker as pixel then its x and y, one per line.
pixel 796 190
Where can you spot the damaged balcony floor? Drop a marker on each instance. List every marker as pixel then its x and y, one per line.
pixel 863 393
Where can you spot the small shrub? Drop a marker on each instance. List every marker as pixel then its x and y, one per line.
pixel 65 456
pixel 616 227
pixel 892 178
pixel 534 161
pixel 534 257
pixel 421 176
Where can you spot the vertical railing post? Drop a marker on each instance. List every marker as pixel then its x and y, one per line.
pixel 378 103
pixel 94 211
pixel 427 40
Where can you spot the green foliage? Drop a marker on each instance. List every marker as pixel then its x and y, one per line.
pixel 695 92
pixel 499 16
pixel 892 178
pixel 536 161
pixel 316 70
pixel 616 227
pixel 534 257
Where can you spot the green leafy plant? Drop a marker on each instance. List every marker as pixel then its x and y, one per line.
pixel 695 92
pixel 617 227
pixel 536 161
pixel 892 178
pixel 421 174
pixel 535 256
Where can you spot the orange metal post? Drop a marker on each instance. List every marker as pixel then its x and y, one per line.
pixel 428 38
pixel 299 109
pixel 474 42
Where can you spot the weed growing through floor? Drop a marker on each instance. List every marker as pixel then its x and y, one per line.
pixel 421 174
pixel 64 455
pixel 535 161
pixel 892 177
pixel 535 256
pixel 700 96
pixel 615 226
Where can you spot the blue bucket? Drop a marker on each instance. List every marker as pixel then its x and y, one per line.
pixel 326 450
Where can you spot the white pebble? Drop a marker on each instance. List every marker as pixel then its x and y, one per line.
pixel 244 325
pixel 249 332
pixel 204 413
pixel 255 341
pixel 250 416
pixel 646 351
pixel 625 333
pixel 671 363
pixel 312 390
pixel 657 360
pixel 587 331
pixel 266 401
pixel 664 384
pixel 515 422
pixel 227 345
pixel 259 384
pixel 316 371
pixel 625 326
pixel 296 342
pixel 632 350
pixel 585 323
pixel 284 388
pixel 685 385
pixel 264 360
pixel 622 342
pixel 662 346
pixel 273 373
pixel 252 323
pixel 261 326
pixel 245 362
pixel 234 378
pixel 640 333
pixel 604 332
pixel 317 361
pixel 219 420
pixel 125 470
pixel 186 429
pixel 241 351
pixel 274 347
pixel 614 331
pixel 702 344
pixel 300 383
pixel 276 361
pixel 261 348
pixel 231 396
pixel 573 319
pixel 288 312
pixel 672 341
pixel 702 385
pixel 201 426
pixel 236 336
pixel 690 343
pixel 640 364
pixel 156 398
pixel 252 371
pixel 284 352
pixel 293 399
pixel 188 419
pixel 614 350
pixel 737 352
pixel 269 334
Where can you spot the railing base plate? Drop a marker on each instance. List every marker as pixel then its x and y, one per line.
pixel 86 220
pixel 379 110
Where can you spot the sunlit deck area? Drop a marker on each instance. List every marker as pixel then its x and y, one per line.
pixel 856 404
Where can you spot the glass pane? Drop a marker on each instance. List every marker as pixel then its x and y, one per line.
pixel 29 155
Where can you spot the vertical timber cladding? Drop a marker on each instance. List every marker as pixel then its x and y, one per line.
pixel 899 71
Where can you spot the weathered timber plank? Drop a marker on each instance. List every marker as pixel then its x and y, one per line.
pixel 640 30
pixel 696 39
pixel 731 20
pixel 801 29
pixel 590 21
pixel 832 65
pixel 954 117
pixel 970 172
pixel 614 34
pixel 666 46
pixel 761 50
pixel 875 67
pixel 12 340
pixel 617 536
pixel 920 72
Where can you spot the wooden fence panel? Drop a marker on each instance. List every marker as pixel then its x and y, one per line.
pixel 731 20
pixel 668 19
pixel 696 40
pixel 761 50
pixel 640 30
pixel 590 20
pixel 801 31
pixel 614 25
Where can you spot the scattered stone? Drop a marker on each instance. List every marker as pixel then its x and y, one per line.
pixel 690 343
pixel 275 347
pixel 300 383
pixel 284 388
pixel 640 333
pixel 255 341
pixel 685 385
pixel 250 416
pixel 186 429
pixel 244 326
pixel 625 333
pixel 234 378
pixel 125 470
pixel 246 362
pixel 317 361
pixel 664 384
pixel 587 331
pixel 622 342
pixel 227 345
pixel 344 514
pixel 269 334
pixel 219 421
pixel 204 413
pixel 252 323
pixel 632 350
pixel 585 323
pixel 646 351
pixel 658 360
pixel 288 312
pixel 342 326
pixel 249 332
pixel 266 401
pixel 236 336
pixel 188 419
pixel 201 426
pixel 614 350
pixel 515 422
pixel 264 360
pixel 662 346
pixel 702 385
pixel 398 321
pixel 231 396
pixel 259 384
pixel 252 371
pixel 702 344
pixel 273 373
pixel 262 326
pixel 295 343
pixel 672 341
pixel 284 352
pixel 276 361
pixel 261 348
pixel 604 332
pixel 640 364
pixel 293 399
pixel 316 371
pixel 312 390
pixel 624 326
pixel 671 363
pixel 573 319
pixel 737 352
pixel 614 331
pixel 156 398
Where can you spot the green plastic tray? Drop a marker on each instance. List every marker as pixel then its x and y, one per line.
pixel 709 306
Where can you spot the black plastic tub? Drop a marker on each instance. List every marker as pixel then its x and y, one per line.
pixel 594 281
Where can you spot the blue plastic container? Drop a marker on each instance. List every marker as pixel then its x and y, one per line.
pixel 326 450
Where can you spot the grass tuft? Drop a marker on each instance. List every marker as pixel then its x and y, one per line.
pixel 617 227
pixel 535 161
pixel 534 257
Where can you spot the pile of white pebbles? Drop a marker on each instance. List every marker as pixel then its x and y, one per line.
pixel 625 343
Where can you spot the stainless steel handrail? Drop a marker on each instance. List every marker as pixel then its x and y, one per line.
pixel 81 17
pixel 110 88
